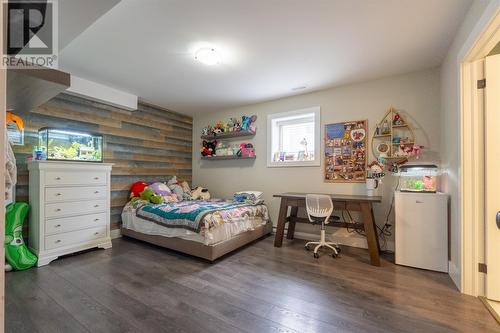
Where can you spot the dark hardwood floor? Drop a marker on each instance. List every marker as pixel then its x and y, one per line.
pixel 137 287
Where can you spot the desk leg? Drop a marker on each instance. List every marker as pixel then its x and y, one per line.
pixel 280 228
pixel 371 233
pixel 291 225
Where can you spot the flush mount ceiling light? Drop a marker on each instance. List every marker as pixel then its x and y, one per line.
pixel 207 56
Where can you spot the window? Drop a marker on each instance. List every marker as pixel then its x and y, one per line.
pixel 293 138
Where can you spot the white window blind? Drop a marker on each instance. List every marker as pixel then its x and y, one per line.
pixel 293 138
pixel 297 137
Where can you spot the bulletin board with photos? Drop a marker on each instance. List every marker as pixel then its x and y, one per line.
pixel 345 152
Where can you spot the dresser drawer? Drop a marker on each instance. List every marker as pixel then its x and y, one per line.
pixel 57 226
pixel 75 178
pixel 60 209
pixel 55 194
pixel 74 237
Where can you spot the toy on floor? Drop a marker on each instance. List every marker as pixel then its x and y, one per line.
pixel 17 253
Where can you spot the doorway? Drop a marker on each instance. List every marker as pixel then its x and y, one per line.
pixel 492 180
pixel 480 85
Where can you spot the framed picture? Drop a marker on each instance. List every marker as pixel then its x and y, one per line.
pixel 345 152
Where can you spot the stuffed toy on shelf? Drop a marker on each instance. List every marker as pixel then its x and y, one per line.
pixel 208 148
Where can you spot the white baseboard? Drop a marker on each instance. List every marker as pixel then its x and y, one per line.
pixel 115 233
pixel 454 273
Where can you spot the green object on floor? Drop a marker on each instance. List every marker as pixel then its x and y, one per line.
pixel 17 253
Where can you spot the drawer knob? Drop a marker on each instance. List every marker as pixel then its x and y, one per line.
pixel 96 178
pixel 96 192
pixel 58 194
pixel 96 206
pixel 58 209
pixel 57 225
pixel 96 233
pixel 58 178
pixel 95 220
pixel 58 241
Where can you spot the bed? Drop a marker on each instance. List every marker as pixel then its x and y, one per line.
pixel 205 229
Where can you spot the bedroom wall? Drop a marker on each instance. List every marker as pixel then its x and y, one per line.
pixel 417 95
pixel 147 144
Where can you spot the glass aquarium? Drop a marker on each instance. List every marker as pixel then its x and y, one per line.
pixel 66 145
pixel 418 178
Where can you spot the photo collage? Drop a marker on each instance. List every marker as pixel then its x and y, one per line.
pixel 345 152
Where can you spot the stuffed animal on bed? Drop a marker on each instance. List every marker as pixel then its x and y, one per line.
pixel 180 188
pixel 163 190
pixel 200 193
pixel 137 188
pixel 150 196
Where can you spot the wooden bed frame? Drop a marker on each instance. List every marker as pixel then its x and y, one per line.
pixel 208 252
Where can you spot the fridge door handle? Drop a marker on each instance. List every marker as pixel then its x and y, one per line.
pixel 498 220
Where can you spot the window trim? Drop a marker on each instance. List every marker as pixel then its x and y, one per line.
pixel 316 110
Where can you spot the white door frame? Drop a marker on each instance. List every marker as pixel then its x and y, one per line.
pixel 3 106
pixel 472 153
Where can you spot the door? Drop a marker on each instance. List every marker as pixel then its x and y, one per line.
pixel 492 172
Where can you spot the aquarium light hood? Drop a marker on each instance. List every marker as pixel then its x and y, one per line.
pixel 70 133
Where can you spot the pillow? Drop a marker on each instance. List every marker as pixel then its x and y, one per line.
pixel 160 188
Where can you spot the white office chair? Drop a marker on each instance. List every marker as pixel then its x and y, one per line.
pixel 320 206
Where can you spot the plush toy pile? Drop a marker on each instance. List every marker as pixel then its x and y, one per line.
pixel 173 191
pixel 232 125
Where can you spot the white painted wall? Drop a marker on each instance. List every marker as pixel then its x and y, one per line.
pixel 416 94
pixel 85 88
pixel 450 120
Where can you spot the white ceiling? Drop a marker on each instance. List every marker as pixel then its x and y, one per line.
pixel 75 16
pixel 268 47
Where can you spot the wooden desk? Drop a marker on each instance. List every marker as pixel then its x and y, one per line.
pixel 355 203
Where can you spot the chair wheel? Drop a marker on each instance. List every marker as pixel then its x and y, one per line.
pixel 307 248
pixel 338 249
pixel 335 255
pixel 316 255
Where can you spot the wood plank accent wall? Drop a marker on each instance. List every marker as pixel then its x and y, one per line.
pixel 150 144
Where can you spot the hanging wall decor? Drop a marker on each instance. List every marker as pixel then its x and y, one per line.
pixel 394 139
pixel 345 152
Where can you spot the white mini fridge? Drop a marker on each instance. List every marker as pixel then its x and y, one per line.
pixel 422 230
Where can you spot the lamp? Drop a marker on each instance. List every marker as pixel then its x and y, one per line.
pixel 207 56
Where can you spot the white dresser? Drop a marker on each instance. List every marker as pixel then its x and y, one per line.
pixel 70 207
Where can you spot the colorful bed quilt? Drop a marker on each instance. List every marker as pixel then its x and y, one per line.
pixel 198 215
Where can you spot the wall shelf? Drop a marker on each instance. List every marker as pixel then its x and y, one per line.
pixel 398 130
pixel 228 135
pixel 230 157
